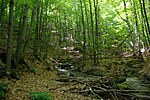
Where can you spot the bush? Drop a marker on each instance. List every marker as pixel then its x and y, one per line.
pixel 3 91
pixel 32 69
pixel 40 96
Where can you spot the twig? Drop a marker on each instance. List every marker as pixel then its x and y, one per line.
pixel 55 61
pixel 125 94
pixel 145 91
pixel 95 93
pixel 113 96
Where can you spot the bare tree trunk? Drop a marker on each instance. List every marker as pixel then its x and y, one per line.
pixel 31 27
pixel 137 32
pixel 21 34
pixel 92 32
pixel 84 35
pixel 41 28
pixel 9 40
pixel 144 26
pixel 36 40
pixel 146 18
pixel 96 30
pixel 129 27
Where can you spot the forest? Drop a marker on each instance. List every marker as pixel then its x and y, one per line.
pixel 74 49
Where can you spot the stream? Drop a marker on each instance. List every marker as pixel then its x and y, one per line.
pixel 130 83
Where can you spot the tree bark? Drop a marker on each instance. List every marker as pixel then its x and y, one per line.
pixel 144 26
pixel 10 34
pixel 146 18
pixel 96 31
pixel 31 27
pixel 36 40
pixel 92 32
pixel 21 34
pixel 84 35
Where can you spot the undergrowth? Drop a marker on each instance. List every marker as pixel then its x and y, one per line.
pixel 40 96
pixel 3 91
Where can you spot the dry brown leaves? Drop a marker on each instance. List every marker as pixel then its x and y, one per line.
pixel 41 82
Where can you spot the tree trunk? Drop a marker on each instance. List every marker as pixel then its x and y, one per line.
pixel 31 27
pixel 87 26
pixel 10 34
pixel 92 32
pixel 146 18
pixel 36 40
pixel 129 27
pixel 144 27
pixel 96 30
pixel 84 36
pixel 41 28
pixel 21 34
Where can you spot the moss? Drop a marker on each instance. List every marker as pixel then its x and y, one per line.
pixel 40 96
pixel 123 86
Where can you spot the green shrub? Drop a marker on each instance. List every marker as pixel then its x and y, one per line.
pixel 3 90
pixel 14 74
pixel 40 96
pixel 32 69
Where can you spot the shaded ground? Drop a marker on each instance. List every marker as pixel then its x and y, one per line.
pixel 43 81
pixel 46 81
pixel 42 77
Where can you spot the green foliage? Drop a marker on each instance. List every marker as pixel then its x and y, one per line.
pixel 123 86
pixel 32 69
pixel 14 73
pixel 3 90
pixel 40 96
pixel 132 83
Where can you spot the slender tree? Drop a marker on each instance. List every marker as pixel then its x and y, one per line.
pixel 10 34
pixel 96 30
pixel 146 18
pixel 129 27
pixel 31 27
pixel 144 23
pixel 92 31
pixel 37 35
pixel 84 34
pixel 21 34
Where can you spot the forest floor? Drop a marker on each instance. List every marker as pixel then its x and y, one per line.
pixel 46 81
pixel 111 70
pixel 42 81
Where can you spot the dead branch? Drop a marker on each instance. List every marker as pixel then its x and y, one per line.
pixel 95 93
pixel 114 90
pixel 142 96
